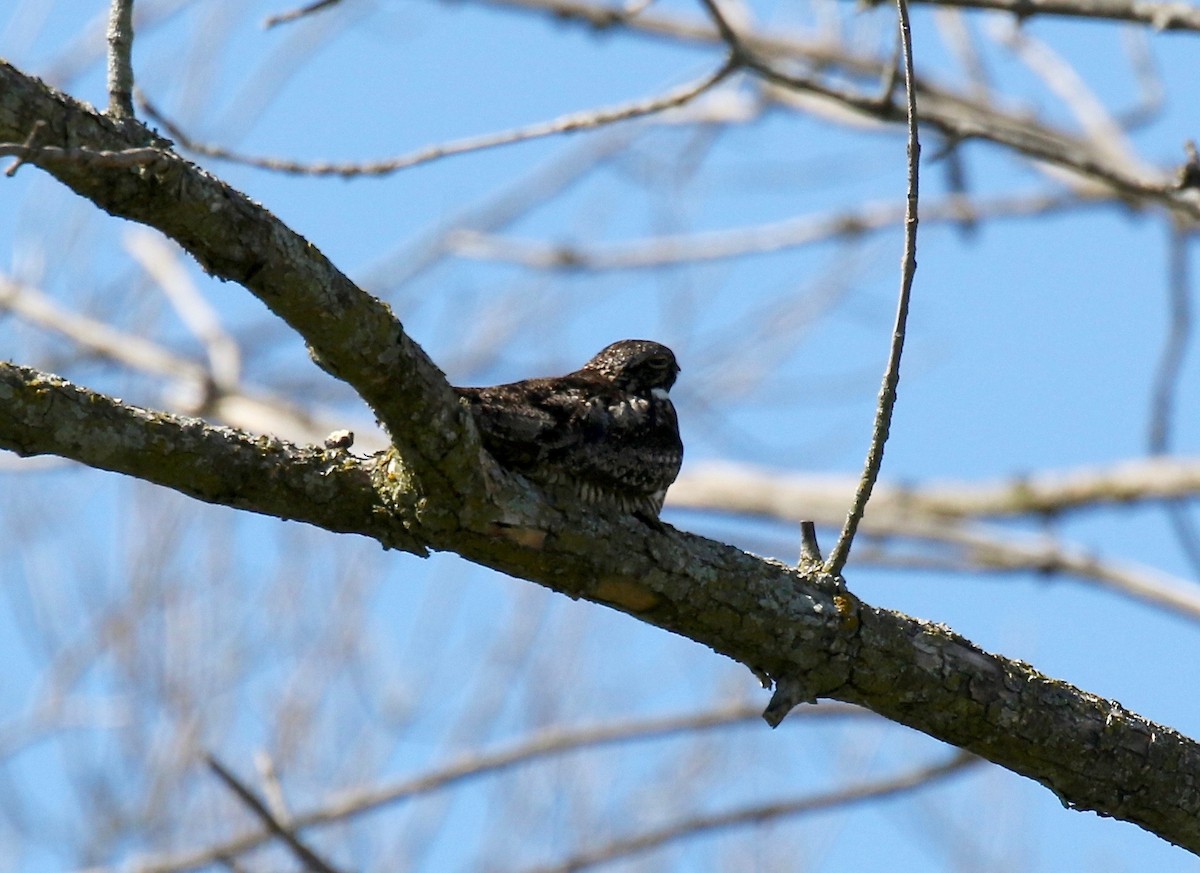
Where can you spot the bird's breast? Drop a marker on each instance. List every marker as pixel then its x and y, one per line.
pixel 630 411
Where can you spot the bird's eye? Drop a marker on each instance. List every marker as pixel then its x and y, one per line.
pixel 659 362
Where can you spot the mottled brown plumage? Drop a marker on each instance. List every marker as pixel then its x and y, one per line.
pixel 607 432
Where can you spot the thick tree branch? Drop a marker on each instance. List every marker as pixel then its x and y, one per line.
pixel 43 414
pixel 352 335
pixel 802 628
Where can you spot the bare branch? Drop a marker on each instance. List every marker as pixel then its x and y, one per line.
pixel 744 488
pixel 960 120
pixel 891 376
pixel 299 12
pixel 513 201
pixel 44 414
pixel 1179 331
pixel 759 239
pixel 587 120
pixel 915 515
pixel 981 549
pixel 1160 16
pixel 724 28
pixel 810 549
pixel 24 150
pixel 306 856
pixel 956 35
pixel 958 117
pixel 526 751
pixel 161 261
pixel 133 351
pixel 112 159
pixel 120 60
pixel 759 814
pixel 1151 92
pixel 350 333
pixel 272 788
pixel 193 389
pixel 1062 79
pixel 1166 382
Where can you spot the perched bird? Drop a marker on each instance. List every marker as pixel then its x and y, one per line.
pixel 607 433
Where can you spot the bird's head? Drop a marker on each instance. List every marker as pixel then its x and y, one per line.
pixel 638 366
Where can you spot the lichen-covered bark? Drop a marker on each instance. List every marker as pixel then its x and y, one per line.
pixel 436 490
pixel 1090 751
pixel 43 414
pixel 352 334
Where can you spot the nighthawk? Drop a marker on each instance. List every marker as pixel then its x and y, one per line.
pixel 607 433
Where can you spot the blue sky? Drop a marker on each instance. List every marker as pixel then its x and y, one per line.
pixel 1032 346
